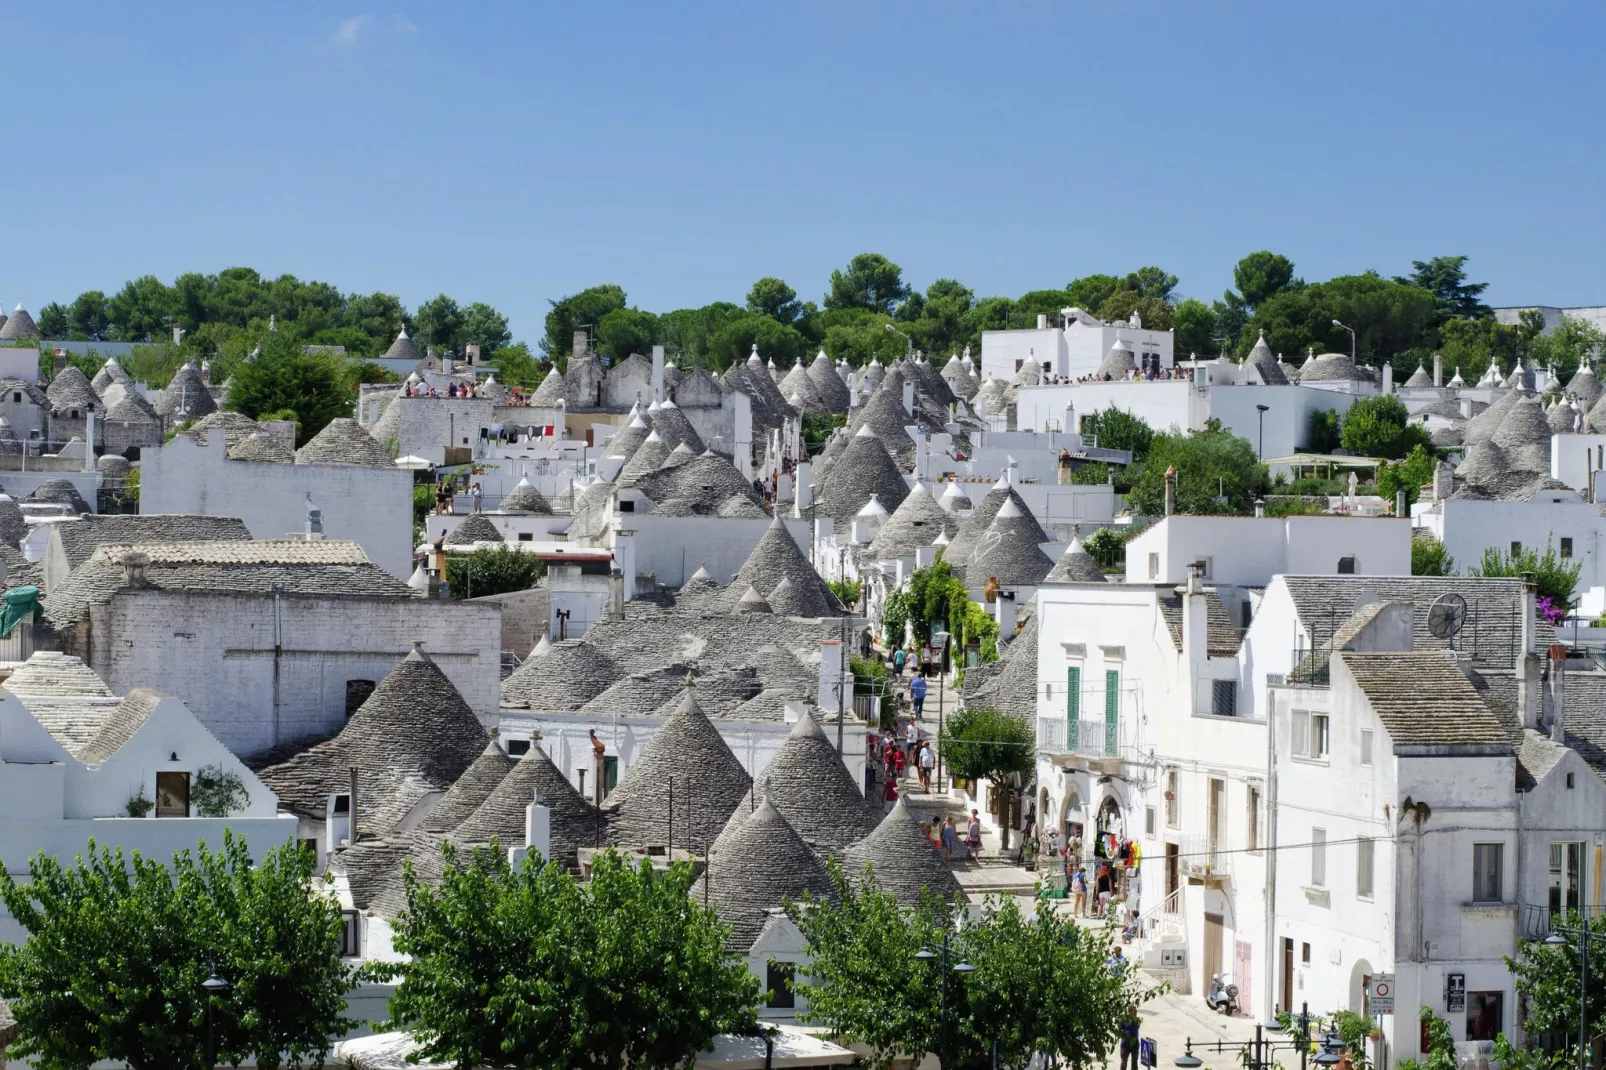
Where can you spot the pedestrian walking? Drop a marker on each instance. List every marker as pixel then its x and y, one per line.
pixel 479 498
pixel 928 760
pixel 911 738
pixel 917 691
pixel 890 796
pixel 897 662
pixel 1129 1027
pixel 1078 890
pixel 949 837
pixel 973 834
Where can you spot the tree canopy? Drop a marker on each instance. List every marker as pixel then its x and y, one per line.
pixel 117 948
pixel 1378 427
pixel 286 378
pixel 1217 473
pixel 525 966
pixel 1555 577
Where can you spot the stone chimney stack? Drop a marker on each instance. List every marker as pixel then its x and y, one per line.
pixel 1438 369
pixel 134 565
pixel 1558 693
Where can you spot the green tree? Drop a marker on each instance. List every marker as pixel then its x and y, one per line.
pixel 1195 325
pixel 772 297
pixel 1039 985
pixel 1151 282
pixel 1378 427
pixel 857 335
pixel 1217 473
pixel 984 743
pixel 492 570
pixel 1232 325
pixel 1547 977
pixel 870 281
pixel 1469 345
pixel 1441 1044
pixel 440 324
pixel 1445 277
pixel 1325 430
pixel 686 331
pixel 285 377
pixel 1154 312
pixel 625 331
pixel 1089 292
pixel 1261 275
pixel 734 341
pixel 941 327
pixel 515 366
pixel 117 949
pixel 87 320
pixel 1116 429
pixel 483 324
pixel 1554 576
pixel 52 320
pixel 1409 475
pixel 525 966
pixel 1569 344
pixel 380 316
pixel 142 310
pixel 570 313
pixel 1388 317
pixel 1428 557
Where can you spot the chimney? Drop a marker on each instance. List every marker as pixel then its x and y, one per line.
pixel 352 816
pixel 803 496
pixel 1438 369
pixel 1003 610
pixel 1042 321
pixel 134 564
pixel 1260 508
pixel 471 353
pixel 832 670
pixel 1195 621
pixel 314 520
pixel 178 333
pixel 1388 377
pixel 1527 661
pixel 89 440
pixel 582 342
pixel 658 373
pixel 1399 503
pixel 1558 693
pixel 1170 491
pixel 60 365
pixel 538 825
pixel 909 397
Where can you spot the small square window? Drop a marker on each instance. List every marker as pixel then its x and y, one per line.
pixel 1566 547
pixel 1148 819
pixel 1304 954
pixel 526 536
pixel 517 748
pixel 1366 746
pixel 1346 566
pixel 172 795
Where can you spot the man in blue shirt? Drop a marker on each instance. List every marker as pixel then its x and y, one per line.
pixel 917 691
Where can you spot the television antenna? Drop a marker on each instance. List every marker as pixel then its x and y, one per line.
pixel 1446 616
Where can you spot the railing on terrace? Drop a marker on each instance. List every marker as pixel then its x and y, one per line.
pixel 1310 668
pixel 1092 739
pixel 1539 918
pixel 1204 858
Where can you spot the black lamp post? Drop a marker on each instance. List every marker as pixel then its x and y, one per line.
pixel 1257 1054
pixel 213 987
pixel 943 958
pixel 1263 410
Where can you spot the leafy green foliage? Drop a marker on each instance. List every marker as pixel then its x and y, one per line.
pixel 285 378
pixel 1428 557
pixel 1471 344
pixel 525 966
pixel 1038 984
pixel 895 617
pixel 1445 277
pixel 1217 473
pixel 1326 430
pixel 117 949
pixel 870 678
pixel 1387 317
pixel 569 314
pixel 736 337
pixel 516 366
pixel 1377 427
pixel 490 570
pixel 1107 547
pixel 871 281
pixel 1441 1045
pixel 1262 275
pixel 1554 578
pixel 983 743
pixel 1571 342
pixel 847 591
pixel 216 792
pixel 1547 975
pixel 1194 324
pixel 1409 475
pixel 772 297
pixel 1116 429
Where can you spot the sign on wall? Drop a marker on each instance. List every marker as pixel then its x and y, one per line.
pixel 1455 992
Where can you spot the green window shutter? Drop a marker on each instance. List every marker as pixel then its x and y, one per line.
pixel 1073 695
pixel 1112 710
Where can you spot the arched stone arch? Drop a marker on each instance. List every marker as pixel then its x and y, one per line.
pixel 1359 974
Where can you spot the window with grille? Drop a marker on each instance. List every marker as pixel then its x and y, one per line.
pixel 1224 698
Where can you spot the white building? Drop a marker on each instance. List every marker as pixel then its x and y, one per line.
pixel 1076 348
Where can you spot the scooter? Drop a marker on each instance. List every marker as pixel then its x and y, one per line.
pixel 1222 996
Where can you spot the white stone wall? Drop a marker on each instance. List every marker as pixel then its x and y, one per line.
pixel 373 506
pixel 216 652
pixel 428 425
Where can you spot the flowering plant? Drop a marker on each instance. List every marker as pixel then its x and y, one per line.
pixel 1550 610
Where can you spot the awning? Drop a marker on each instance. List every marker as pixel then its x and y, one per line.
pixel 19 603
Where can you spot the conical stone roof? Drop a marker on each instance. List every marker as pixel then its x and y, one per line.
pixel 13 528
pixel 1329 368
pixel 235 427
pixel 262 447
pixel 863 469
pixel 1117 362
pixel 69 390
pixel 689 758
pixel 110 465
pixel 1524 436
pixel 814 791
pixel 472 529
pixel 470 790
pixel 109 373
pixel 1561 417
pixel 799 389
pixel 1076 565
pixel 415 735
pixel 1419 378
pixel 59 492
pixel 680 455
pixel 1585 386
pixel 403 348
pixel 1009 550
pixel 963 543
pixel 572 821
pixel 185 397
pixel 671 425
pixel 1484 462
pixel 1483 425
pixel 344 441
pixel 648 458
pixel 628 439
pixel 776 557
pixel 914 524
pixel 751 602
pixel 524 498
pixel 19 326
pixel 902 860
pixel 828 383
pixel 566 677
pixel 754 867
pixel 1260 358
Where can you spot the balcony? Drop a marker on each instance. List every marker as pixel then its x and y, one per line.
pixel 1086 739
pixel 1537 919
pixel 1310 668
pixel 1202 858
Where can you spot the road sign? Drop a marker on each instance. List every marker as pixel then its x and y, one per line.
pixel 1380 994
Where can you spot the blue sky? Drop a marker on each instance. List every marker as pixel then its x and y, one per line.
pixel 517 152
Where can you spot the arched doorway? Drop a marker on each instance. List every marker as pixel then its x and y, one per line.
pixel 1359 975
pixel 1070 827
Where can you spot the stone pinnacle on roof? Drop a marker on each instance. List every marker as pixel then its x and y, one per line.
pixel 524 498
pixel 754 867
pixel 688 765
pixel 1076 565
pixel 1419 378
pixel 19 326
pixel 185 397
pixel 403 348
pixel 752 602
pixel 963 543
pixel 901 860
pixel 828 383
pixel 470 790
pixel 798 388
pixel 671 425
pixel 1585 386
pixel 628 439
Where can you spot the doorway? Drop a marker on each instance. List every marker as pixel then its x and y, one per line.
pixel 1173 881
pixel 1287 1004
pixel 1213 933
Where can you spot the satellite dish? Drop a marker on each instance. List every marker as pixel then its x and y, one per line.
pixel 1446 616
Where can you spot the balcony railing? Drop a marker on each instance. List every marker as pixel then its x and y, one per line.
pixel 1538 918
pixel 1310 668
pixel 1092 739
pixel 1204 858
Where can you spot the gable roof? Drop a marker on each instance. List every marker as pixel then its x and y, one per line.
pixel 80 538
pixel 1424 699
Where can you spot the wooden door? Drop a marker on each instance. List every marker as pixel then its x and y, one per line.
pixel 1213 932
pixel 1288 976
pixel 1242 967
pixel 1172 875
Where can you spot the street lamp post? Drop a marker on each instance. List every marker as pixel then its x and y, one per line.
pixel 942 956
pixel 1351 331
pixel 909 345
pixel 212 987
pixel 1263 410
pixel 1257 1054
pixel 1584 935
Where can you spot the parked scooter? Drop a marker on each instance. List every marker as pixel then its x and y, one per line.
pixel 1222 996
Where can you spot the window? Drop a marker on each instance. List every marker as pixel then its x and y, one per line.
pixel 517 748
pixel 1516 547
pixel 627 505
pixel 172 795
pixel 1566 877
pixel 1310 736
pixel 1304 954
pixel 1299 738
pixel 1569 781
pixel 610 773
pixel 350 934
pixel 1154 566
pixel 1112 711
pixel 526 536
pixel 1224 698
pixel 17 396
pixel 1363 868
pixel 1346 566
pixel 1366 746
pixel 1148 820
pixel 1488 878
pixel 308 845
pixel 1318 735
pixel 1247 614
pixel 1171 798
pixel 1566 548
pixel 1253 836
pixel 73 415
pixel 1318 858
pixel 778 979
pixel 1073 703
pixel 1485 1011
pixel 1217 818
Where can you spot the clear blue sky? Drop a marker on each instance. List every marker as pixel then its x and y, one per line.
pixel 517 152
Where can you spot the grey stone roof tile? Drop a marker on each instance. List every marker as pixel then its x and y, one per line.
pixel 186 397
pixel 902 860
pixel 474 528
pixel 1424 699
pixel 808 783
pixel 1076 565
pixel 129 717
pixel 59 492
pixel 80 538
pixel 469 791
pixel 828 383
pixel 756 865
pixel 343 441
pixel 1008 550
pixel 573 821
pixel 524 498
pixel 70 389
pixel 775 557
pixel 565 678
pixel 675 429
